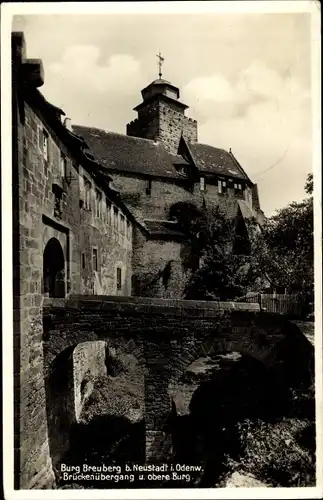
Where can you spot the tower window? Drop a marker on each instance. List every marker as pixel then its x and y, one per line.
pixel 148 188
pixel 83 260
pixel 222 187
pixel 119 278
pixel 202 183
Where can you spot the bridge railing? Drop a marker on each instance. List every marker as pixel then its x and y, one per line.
pixel 291 305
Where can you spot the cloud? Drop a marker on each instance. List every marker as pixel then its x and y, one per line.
pixel 81 68
pixel 264 116
pixel 216 95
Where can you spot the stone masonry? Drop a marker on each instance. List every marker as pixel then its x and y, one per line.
pixel 163 122
pixel 50 221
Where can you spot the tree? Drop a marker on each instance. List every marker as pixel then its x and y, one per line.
pixel 286 251
pixel 220 254
pixel 227 262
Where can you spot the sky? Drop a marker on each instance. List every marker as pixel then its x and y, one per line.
pixel 246 78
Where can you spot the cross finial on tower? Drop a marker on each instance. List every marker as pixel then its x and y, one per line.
pixel 160 63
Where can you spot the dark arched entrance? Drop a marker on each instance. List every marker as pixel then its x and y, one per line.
pixel 54 269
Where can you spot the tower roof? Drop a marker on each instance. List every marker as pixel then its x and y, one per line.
pixel 160 87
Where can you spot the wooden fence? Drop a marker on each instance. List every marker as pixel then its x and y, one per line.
pixel 291 305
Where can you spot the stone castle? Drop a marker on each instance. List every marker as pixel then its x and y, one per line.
pixel 93 215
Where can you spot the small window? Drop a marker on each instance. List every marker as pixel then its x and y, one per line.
pixel 63 166
pixel 202 184
pixel 83 260
pixel 45 145
pixel 148 188
pixel 238 190
pixel 119 278
pixel 128 229
pixel 222 187
pixel 95 259
pixel 98 202
pixel 87 191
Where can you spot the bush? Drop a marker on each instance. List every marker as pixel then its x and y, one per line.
pixel 272 452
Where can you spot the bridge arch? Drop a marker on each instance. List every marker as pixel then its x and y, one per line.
pixel 269 339
pixel 72 364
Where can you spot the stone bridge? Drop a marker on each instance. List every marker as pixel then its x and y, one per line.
pixel 165 336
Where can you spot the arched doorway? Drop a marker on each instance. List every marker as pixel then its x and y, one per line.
pixel 54 269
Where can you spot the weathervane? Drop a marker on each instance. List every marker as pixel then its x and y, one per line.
pixel 160 63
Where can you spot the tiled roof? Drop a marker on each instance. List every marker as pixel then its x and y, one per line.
pixel 217 161
pixel 127 154
pixel 162 228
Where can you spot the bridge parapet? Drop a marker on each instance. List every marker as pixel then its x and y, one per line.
pixel 145 304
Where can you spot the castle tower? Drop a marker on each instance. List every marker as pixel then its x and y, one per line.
pixel 161 116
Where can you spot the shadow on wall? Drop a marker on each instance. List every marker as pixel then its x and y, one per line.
pixel 152 284
pixel 60 409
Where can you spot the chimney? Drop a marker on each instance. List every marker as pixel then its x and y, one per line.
pixel 68 124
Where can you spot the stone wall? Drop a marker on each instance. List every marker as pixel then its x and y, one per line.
pixel 167 192
pixel 110 233
pixel 173 124
pixel 76 232
pixel 164 193
pixel 159 267
pixel 164 122
pixel 36 199
pixel 152 257
pixel 89 362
